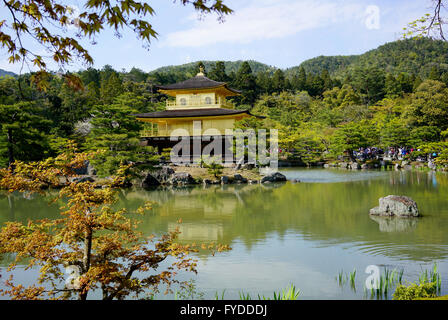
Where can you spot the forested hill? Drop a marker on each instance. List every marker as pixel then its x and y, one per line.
pixel 7 73
pixel 413 56
pixel 182 72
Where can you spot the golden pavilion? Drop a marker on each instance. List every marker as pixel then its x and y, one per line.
pixel 200 109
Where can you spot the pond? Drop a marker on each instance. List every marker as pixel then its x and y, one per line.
pixel 292 233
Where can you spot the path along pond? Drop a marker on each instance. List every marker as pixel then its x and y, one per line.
pixel 292 233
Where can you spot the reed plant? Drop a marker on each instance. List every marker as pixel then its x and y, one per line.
pixel 291 293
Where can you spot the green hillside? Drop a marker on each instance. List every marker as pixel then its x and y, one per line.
pixel 182 72
pixel 333 64
pixel 417 56
pixel 413 56
pixel 7 73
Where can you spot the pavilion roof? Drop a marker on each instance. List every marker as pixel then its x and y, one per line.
pixel 186 113
pixel 199 82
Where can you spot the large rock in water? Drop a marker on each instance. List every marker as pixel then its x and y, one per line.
pixel 150 181
pixel 157 177
pixel 181 178
pixel 400 206
pixel 274 177
pixel 163 174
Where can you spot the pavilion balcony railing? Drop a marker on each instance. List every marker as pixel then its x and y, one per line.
pixel 198 103
pixel 156 132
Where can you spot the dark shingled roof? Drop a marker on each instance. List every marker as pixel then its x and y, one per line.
pixel 212 112
pixel 198 82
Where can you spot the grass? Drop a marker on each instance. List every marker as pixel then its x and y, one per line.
pixel 352 277
pixel 291 293
pixel 387 281
pixel 390 278
pixel 341 278
pixel 431 276
pixel 220 297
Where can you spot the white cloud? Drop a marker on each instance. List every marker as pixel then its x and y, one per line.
pixel 265 20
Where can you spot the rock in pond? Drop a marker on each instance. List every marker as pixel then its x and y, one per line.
pixel 181 178
pixel 158 177
pixel 274 177
pixel 163 174
pixel 150 181
pixel 237 178
pixel 207 181
pixel 224 179
pixel 392 205
pixel 354 166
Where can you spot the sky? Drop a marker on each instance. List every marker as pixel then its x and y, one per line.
pixel 280 33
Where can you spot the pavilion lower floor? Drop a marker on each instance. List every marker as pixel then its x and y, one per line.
pixel 193 148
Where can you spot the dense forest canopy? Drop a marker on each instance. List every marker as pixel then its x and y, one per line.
pixel 392 96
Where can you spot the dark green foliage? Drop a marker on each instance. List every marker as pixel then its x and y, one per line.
pixel 24 133
pixel 349 137
pixel 218 72
pixel 245 82
pixel 116 132
pixel 370 83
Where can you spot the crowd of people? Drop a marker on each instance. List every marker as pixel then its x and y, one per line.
pixel 390 153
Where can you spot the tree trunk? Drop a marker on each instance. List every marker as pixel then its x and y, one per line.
pixel 86 256
pixel 10 148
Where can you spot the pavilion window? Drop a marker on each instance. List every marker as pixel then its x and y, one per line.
pixel 208 100
pixel 183 101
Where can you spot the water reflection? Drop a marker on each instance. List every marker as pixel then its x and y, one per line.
pixel 395 224
pixel 325 214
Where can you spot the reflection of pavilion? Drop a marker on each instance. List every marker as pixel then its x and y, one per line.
pixel 196 231
pixel 198 202
pixel 186 206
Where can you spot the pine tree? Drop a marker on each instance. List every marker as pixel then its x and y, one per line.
pixel 264 83
pixel 299 82
pixel 392 86
pixel 117 133
pixel 111 87
pixel 327 82
pixel 246 82
pixel 24 132
pixel 406 82
pixel 278 81
pixel 434 74
pixel 218 72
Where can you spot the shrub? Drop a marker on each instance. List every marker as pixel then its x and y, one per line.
pixel 215 169
pixel 416 291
